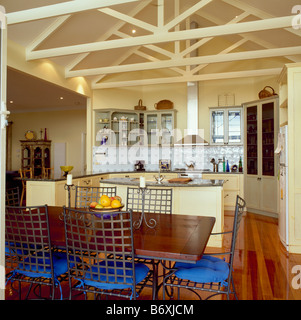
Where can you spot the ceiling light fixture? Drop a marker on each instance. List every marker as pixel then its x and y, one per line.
pixel 62 98
pixel 133 31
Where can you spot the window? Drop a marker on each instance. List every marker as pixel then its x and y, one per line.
pixel 226 125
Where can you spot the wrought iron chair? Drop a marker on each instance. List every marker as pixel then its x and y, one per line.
pixel 209 274
pixel 29 253
pixel 157 200
pixel 109 235
pixel 85 195
pixel 12 197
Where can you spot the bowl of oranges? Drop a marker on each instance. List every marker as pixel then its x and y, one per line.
pixel 107 204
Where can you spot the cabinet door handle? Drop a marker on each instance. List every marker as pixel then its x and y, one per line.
pixel 226 181
pixel 227 195
pixel 259 179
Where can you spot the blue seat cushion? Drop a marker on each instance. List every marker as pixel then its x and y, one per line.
pixel 208 269
pixel 60 265
pixel 141 272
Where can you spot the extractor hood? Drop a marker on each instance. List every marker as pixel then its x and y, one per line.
pixel 192 140
pixel 192 137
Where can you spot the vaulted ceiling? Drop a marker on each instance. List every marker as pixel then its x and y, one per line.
pixel 116 43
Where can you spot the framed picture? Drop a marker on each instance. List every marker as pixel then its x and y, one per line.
pixel 164 165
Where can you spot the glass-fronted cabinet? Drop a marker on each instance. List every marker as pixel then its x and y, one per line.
pixel 226 126
pixel 268 139
pixel 159 127
pixel 252 139
pixel 127 128
pixel 260 160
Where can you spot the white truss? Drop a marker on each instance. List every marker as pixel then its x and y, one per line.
pixel 184 67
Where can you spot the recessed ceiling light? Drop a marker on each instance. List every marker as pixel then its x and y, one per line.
pixel 11 101
pixel 62 98
pixel 133 31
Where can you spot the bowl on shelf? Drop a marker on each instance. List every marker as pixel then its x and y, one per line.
pixel 66 169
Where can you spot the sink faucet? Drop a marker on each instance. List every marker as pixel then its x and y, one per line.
pixel 159 178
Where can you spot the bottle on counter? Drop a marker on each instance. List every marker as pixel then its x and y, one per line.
pixel 224 164
pixel 227 167
pixel 240 165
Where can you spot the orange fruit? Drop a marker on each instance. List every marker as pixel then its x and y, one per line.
pixel 115 203
pixel 105 201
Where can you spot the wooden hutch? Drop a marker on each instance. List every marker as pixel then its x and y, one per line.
pixel 35 154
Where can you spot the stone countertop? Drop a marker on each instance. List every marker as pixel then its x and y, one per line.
pixel 78 175
pixel 164 183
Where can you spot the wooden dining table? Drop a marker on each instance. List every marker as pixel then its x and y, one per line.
pixel 175 237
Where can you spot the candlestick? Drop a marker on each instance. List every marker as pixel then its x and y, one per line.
pixel 68 187
pixel 69 179
pixel 152 222
pixel 142 182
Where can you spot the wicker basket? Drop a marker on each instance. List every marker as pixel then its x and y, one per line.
pixel 140 106
pixel 266 93
pixel 164 104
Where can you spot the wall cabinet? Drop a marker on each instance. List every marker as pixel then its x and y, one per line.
pixel 260 161
pixel 127 127
pixel 226 126
pixel 35 154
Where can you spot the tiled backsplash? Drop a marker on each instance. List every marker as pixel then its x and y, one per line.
pixel 108 159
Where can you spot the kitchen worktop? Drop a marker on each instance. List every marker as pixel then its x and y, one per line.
pixel 164 183
pixel 78 174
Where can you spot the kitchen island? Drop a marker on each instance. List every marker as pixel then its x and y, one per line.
pixel 198 197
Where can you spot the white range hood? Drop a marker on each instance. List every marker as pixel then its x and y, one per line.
pixel 192 137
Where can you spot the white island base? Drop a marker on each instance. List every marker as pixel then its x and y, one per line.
pixel 188 200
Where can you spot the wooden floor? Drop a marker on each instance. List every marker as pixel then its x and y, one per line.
pixel 262 267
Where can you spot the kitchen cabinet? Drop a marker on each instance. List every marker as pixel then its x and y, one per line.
pixel 127 127
pixel 159 126
pixel 35 154
pixel 226 126
pixel 260 161
pixel 233 186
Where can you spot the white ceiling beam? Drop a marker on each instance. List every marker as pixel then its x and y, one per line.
pixel 274 23
pixel 186 14
pixel 227 50
pixel 257 13
pixel 140 6
pixel 129 19
pixel 60 9
pixel 203 77
pixel 205 40
pixel 229 57
pixel 160 13
pixel 248 36
pixel 47 32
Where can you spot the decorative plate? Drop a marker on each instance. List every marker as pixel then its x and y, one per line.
pixel 30 135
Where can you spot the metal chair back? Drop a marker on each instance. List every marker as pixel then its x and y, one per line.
pixel 27 233
pixel 85 195
pixel 102 245
pixel 157 200
pixel 12 197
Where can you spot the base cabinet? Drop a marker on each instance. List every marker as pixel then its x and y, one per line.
pixel 233 186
